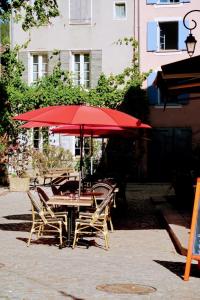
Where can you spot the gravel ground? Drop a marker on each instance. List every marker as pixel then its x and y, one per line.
pixel 141 252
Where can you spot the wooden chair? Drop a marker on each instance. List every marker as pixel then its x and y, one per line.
pixel 97 222
pixel 104 189
pixel 42 222
pixel 54 212
pixel 55 190
pixel 70 186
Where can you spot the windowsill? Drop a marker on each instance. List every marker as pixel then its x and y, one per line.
pixel 80 23
pixel 120 19
pixel 169 52
pixel 174 5
pixel 168 106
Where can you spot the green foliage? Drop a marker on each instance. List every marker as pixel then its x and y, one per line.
pixel 51 157
pixel 4 32
pixel 30 15
pixel 10 84
pixel 58 89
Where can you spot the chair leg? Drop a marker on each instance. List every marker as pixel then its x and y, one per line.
pixel 41 229
pixel 30 236
pixel 111 224
pixel 75 237
pixel 61 238
pixel 106 240
pixel 105 233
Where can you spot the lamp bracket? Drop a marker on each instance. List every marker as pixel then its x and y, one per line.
pixel 194 22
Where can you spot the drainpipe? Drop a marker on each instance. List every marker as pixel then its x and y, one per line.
pixel 134 25
pixel 138 19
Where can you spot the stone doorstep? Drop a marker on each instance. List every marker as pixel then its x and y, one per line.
pixel 178 226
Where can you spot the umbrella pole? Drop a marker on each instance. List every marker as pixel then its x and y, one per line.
pixel 91 154
pixel 81 158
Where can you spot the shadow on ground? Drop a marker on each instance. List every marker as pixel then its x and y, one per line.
pixel 178 268
pixel 136 215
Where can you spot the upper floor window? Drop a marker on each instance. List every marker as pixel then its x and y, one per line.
pixel 167 1
pixel 39 66
pixel 80 11
pixel 166 36
pixel 120 10
pixel 81 69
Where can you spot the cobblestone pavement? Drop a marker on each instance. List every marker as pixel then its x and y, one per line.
pixel 141 252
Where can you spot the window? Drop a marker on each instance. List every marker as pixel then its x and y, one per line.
pixel 81 69
pixel 168 1
pixel 36 138
pixel 86 146
pixel 157 95
pixel 120 10
pixel 80 11
pixel 168 35
pixel 39 66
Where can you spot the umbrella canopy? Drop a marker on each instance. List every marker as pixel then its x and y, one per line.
pixel 29 125
pixel 80 115
pixel 97 130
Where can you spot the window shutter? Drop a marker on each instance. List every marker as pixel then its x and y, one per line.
pixel 86 11
pixel 182 35
pixel 152 36
pixel 151 1
pixel 75 11
pixel 152 91
pixel 95 66
pixel 80 11
pixel 183 98
pixel 23 57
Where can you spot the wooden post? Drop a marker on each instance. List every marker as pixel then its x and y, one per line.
pixel 191 254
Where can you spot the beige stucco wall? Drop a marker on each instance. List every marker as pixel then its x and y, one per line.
pixel 101 34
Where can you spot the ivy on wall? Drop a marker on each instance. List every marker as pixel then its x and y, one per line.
pixel 58 89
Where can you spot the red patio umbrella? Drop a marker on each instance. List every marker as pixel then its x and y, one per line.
pixel 81 115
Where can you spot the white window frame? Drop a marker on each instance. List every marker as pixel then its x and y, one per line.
pixel 167 3
pixel 82 77
pixel 158 33
pixel 40 62
pixel 115 17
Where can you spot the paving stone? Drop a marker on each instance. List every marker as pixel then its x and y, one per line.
pixel 141 252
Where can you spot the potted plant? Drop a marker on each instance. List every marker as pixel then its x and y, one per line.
pixel 18 161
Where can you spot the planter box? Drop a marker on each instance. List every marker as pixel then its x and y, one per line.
pixel 17 184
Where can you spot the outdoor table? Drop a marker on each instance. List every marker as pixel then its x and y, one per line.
pixel 88 193
pixel 71 204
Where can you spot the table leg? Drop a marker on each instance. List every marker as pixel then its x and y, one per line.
pixel 69 226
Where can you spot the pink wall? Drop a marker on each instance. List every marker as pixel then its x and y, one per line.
pixel 185 116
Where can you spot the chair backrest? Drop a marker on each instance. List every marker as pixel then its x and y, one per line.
pixel 55 190
pixel 70 186
pixel 36 208
pixel 44 198
pixel 104 206
pixel 102 188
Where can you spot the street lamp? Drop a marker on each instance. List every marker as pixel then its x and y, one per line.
pixel 190 40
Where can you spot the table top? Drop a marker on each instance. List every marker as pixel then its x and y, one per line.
pixel 66 200
pixel 90 193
